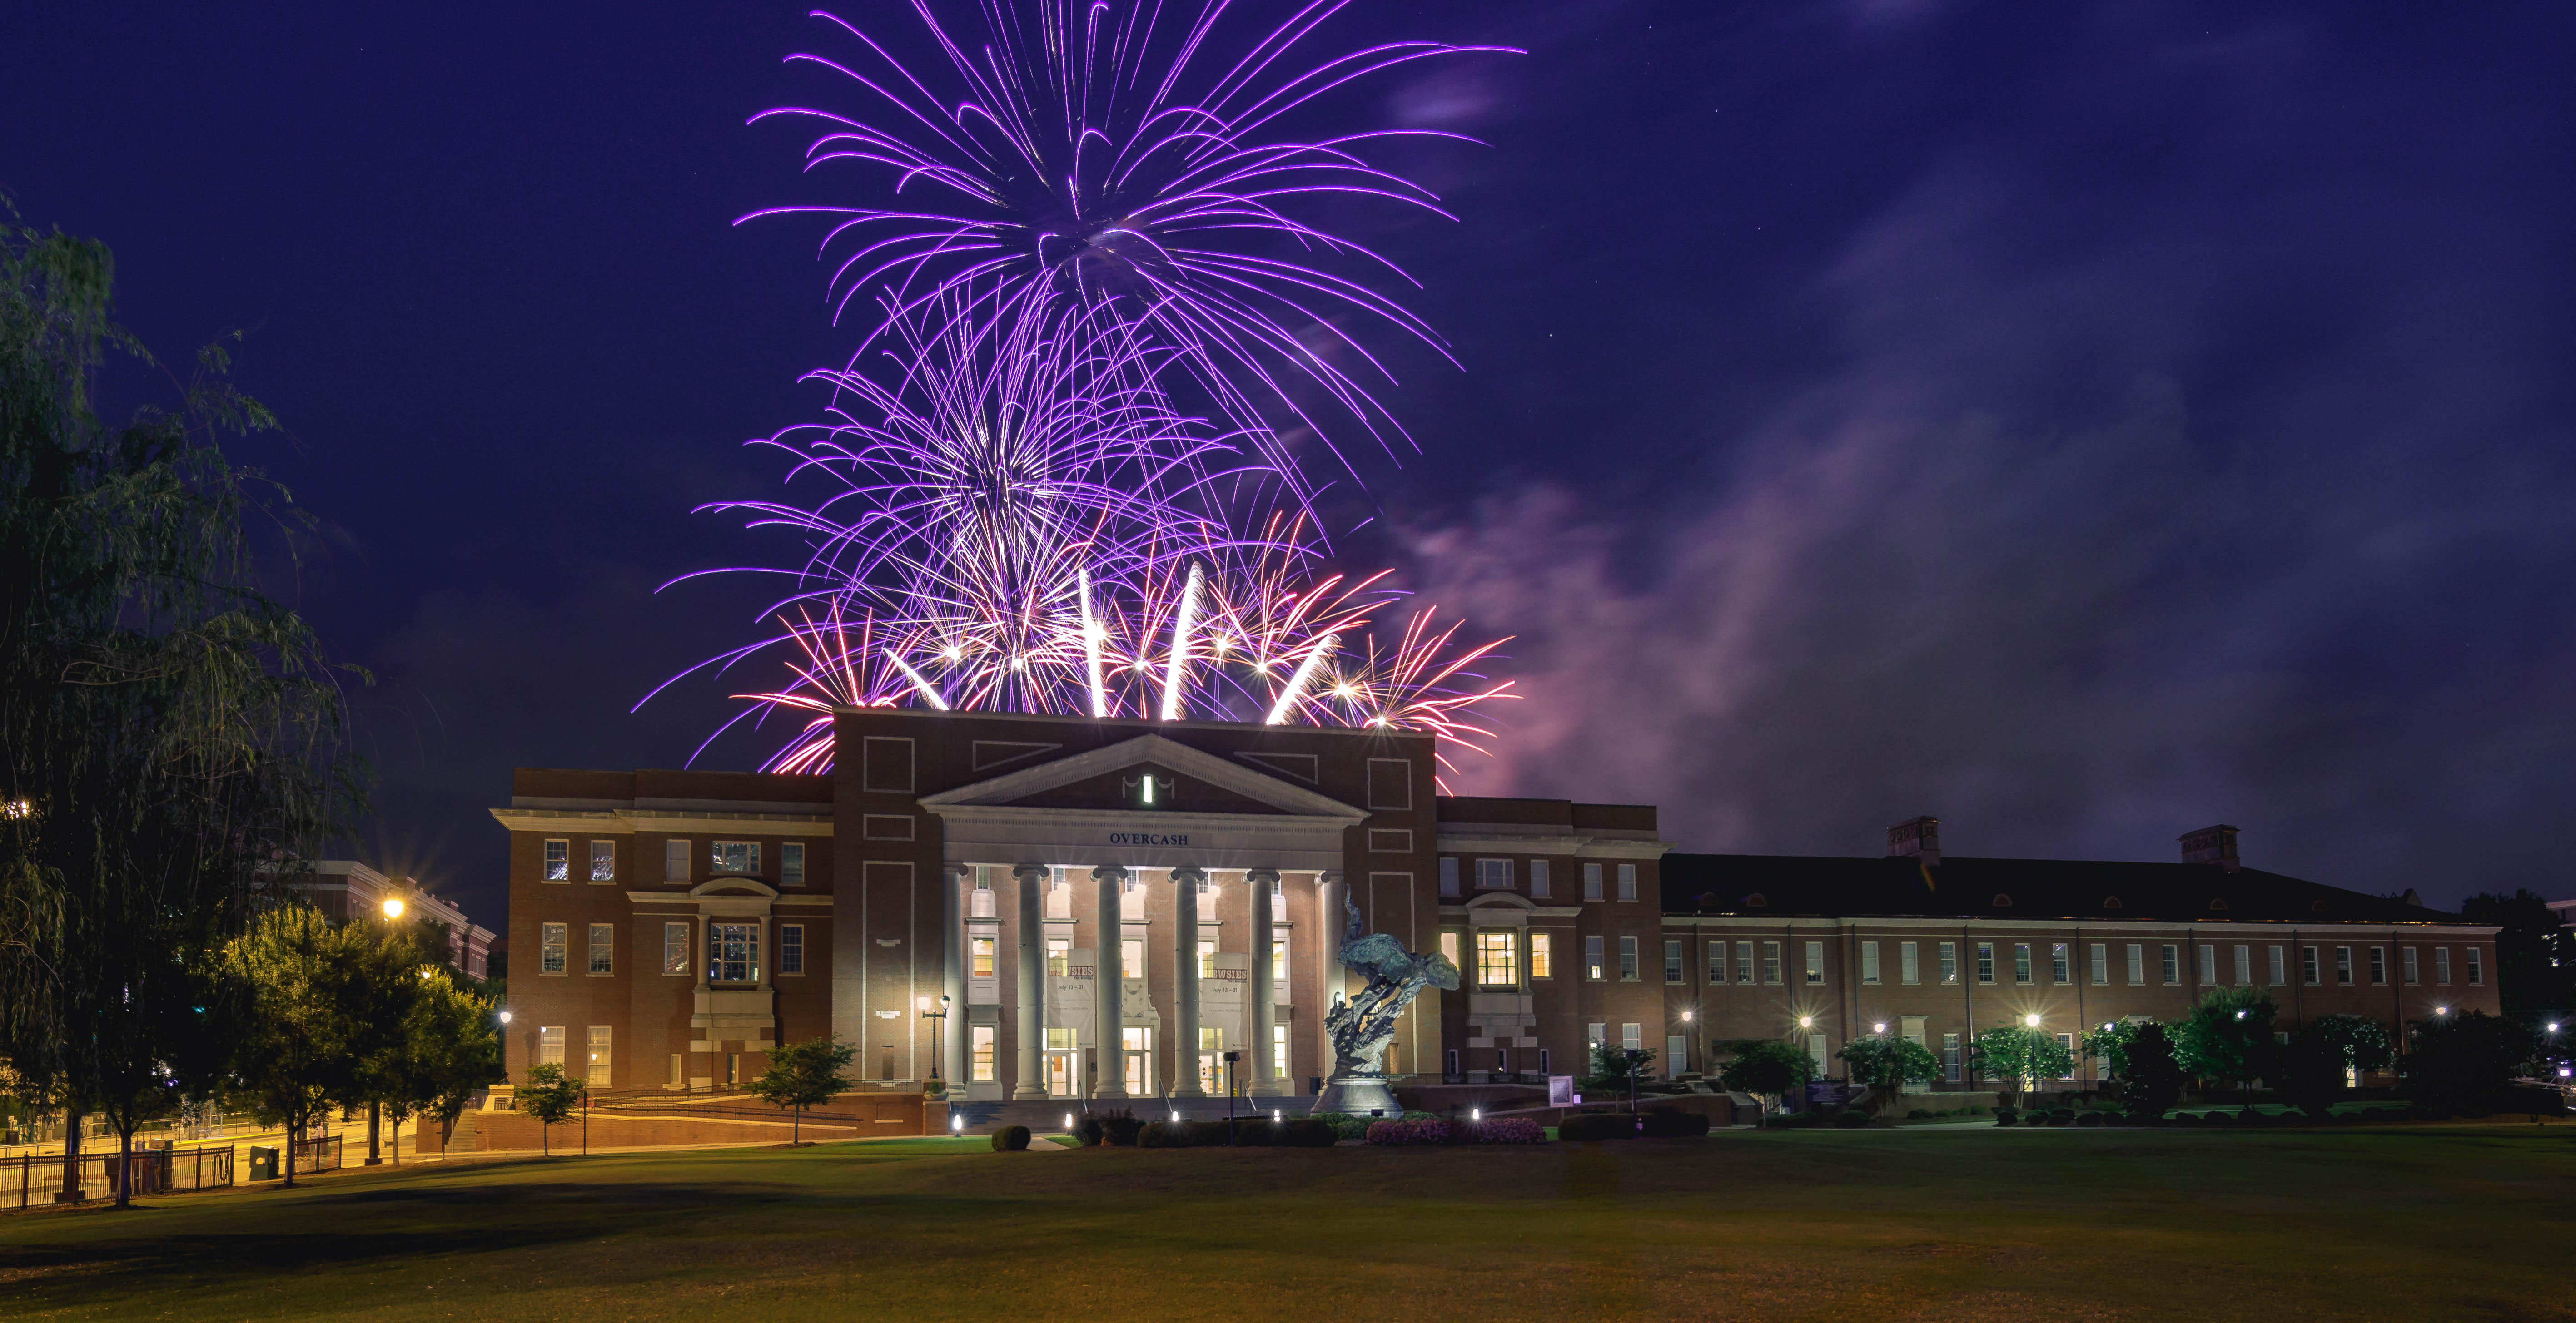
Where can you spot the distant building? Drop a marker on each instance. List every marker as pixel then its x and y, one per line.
pixel 676 925
pixel 340 888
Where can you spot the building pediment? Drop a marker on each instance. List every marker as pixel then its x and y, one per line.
pixel 1109 779
pixel 734 886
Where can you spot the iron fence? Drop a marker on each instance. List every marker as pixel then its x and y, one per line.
pixel 35 1178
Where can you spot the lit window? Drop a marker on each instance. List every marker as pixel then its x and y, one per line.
pixel 1627 881
pixel 603 861
pixel 675 948
pixel 558 861
pixel 1869 962
pixel 1278 1051
pixel 1278 969
pixel 550 1045
pixel 980 1040
pixel 1449 947
pixel 1627 959
pixel 791 948
pixel 1131 959
pixel 599 1057
pixel 551 957
pixel 1538 879
pixel 1497 959
pixel 1059 956
pixel 741 857
pixel 791 864
pixel 1539 961
pixel 1592 881
pixel 733 953
pixel 603 945
pixel 675 861
pixel 1592 960
pixel 1207 959
pixel 982 955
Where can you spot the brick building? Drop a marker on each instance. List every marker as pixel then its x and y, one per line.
pixel 942 899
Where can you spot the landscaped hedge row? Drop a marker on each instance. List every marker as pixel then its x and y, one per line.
pixel 1418 1130
pixel 1249 1132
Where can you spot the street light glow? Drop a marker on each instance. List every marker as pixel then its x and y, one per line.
pixel 505 1017
pixel 1806 1022
pixel 393 907
pixel 1879 1028
pixel 2032 1019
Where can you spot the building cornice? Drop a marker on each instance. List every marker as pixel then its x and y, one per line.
pixel 1579 846
pixel 674 822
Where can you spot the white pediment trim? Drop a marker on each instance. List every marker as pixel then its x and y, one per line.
pixel 733 883
pixel 1216 771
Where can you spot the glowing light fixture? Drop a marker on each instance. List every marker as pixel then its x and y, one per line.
pixel 1806 1022
pixel 505 1017
pixel 393 907
pixel 2032 1019
pixel 1879 1028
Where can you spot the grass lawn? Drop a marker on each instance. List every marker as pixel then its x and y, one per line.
pixel 2431 1222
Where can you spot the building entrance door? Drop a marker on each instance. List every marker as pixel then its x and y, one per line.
pixel 1061 1081
pixel 1140 1062
pixel 1910 1027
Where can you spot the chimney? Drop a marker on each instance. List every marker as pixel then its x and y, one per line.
pixel 2211 845
pixel 1919 838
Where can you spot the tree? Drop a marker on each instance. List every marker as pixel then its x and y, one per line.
pixel 2021 1055
pixel 2228 1036
pixel 2110 1044
pixel 2322 1053
pixel 297 1043
pixel 2535 953
pixel 2464 1064
pixel 452 1046
pixel 1614 1067
pixel 2150 1079
pixel 549 1095
pixel 1767 1066
pixel 170 737
pixel 803 1074
pixel 1882 1062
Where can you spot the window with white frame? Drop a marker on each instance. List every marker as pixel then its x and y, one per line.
pixel 1448 876
pixel 1596 1034
pixel 2379 966
pixel 603 948
pixel 1672 960
pixel 1985 962
pixel 980 1044
pixel 1540 965
pixel 1498 958
pixel 2208 963
pixel 2057 969
pixel 2244 966
pixel 979 956
pixel 791 948
pixel 1059 956
pixel 2308 965
pixel 550 1045
pixel 1278 1051
pixel 733 953
pixel 2137 964
pixel 1449 949
pixel 791 863
pixel 675 948
pixel 1538 879
pixel 1592 958
pixel 1493 875
pixel 1632 1036
pixel 1627 881
pixel 1131 958
pixel 1909 962
pixel 734 857
pixel 2100 956
pixel 675 860
pixel 2477 968
pixel 2442 966
pixel 2173 964
pixel 2280 966
pixel 558 861
pixel 2406 963
pixel 1869 962
pixel 2073 1061
pixel 599 1057
pixel 1771 962
pixel 1949 962
pixel 603 861
pixel 2343 966
pixel 1815 962
pixel 2021 962
pixel 1627 959
pixel 1592 881
pixel 552 958
pixel 1744 962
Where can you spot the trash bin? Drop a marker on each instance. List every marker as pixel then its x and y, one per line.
pixel 263 1163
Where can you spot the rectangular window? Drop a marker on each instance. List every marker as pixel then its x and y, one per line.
pixel 673 1080
pixel 2343 966
pixel 733 953
pixel 2173 964
pixel 1278 1051
pixel 1592 881
pixel 1131 959
pixel 1672 961
pixel 2100 958
pixel 1627 881
pixel 1594 1035
pixel 1949 962
pixel 1448 877
pixel 741 857
pixel 675 949
pixel 603 861
pixel 2058 969
pixel 791 948
pixel 1449 949
pixel 979 1052
pixel 2406 962
pixel 980 957
pixel 2208 963
pixel 1632 1036
pixel 603 948
pixel 2280 967
pixel 2074 1062
pixel 1493 875
pixel 2477 969
pixel 1815 962
pixel 1539 963
pixel 791 863
pixel 1909 963
pixel 1744 962
pixel 2021 962
pixel 1771 962
pixel 1498 958
pixel 551 958
pixel 558 861
pixel 2442 966
pixel 1869 962
pixel 2379 966
pixel 1059 956
pixel 1950 1057
pixel 1207 958
pixel 1985 962
pixel 675 861
pixel 550 1045
pixel 599 1057
pixel 1278 969
pixel 1717 962
pixel 2308 965
pixel 1627 959
pixel 1592 959
pixel 2137 964
pixel 2244 966
pixel 1538 879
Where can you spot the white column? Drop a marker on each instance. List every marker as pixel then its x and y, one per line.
pixel 1108 985
pixel 1185 922
pixel 1033 880
pixel 1263 883
pixel 948 1052
pixel 1329 921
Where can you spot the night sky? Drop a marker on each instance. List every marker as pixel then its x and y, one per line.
pixel 2082 422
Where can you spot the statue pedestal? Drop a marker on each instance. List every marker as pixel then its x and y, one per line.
pixel 1358 1095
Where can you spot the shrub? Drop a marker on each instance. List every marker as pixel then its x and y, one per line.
pixel 1011 1139
pixel 1595 1125
pixel 2093 1119
pixel 1918 1114
pixel 1508 1130
pixel 1796 1121
pixel 1851 1119
pixel 2006 1116
pixel 1086 1132
pixel 1119 1127
pixel 1345 1125
pixel 1166 1134
pixel 2061 1116
pixel 1430 1130
pixel 1673 1123
pixel 2215 1117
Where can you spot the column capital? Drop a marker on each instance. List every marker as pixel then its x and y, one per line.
pixel 1026 872
pixel 1328 877
pixel 1189 873
pixel 1110 873
pixel 1257 876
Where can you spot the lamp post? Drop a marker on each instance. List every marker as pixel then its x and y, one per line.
pixel 393 908
pixel 1230 1059
pixel 938 1016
